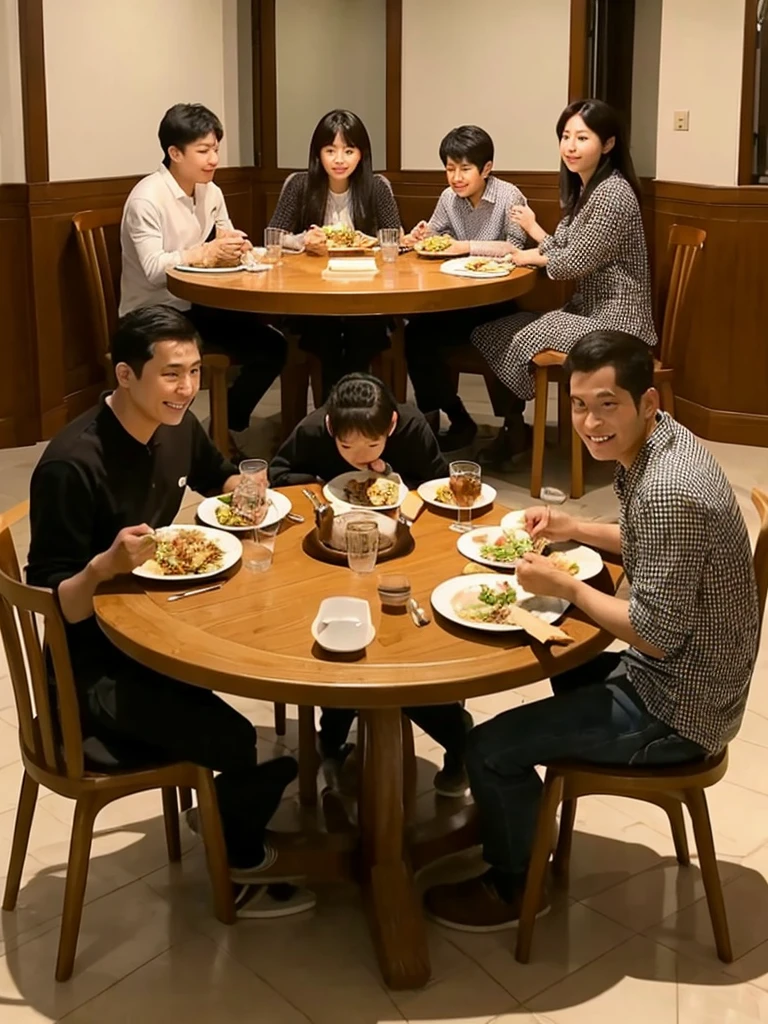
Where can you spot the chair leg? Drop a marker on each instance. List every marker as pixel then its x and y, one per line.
pixel 534 885
pixel 217 393
pixel 25 812
pixel 563 412
pixel 215 847
pixel 171 817
pixel 86 809
pixel 539 429
pixel 307 757
pixel 185 798
pixel 562 857
pixel 696 802
pixel 280 724
pixel 674 811
pixel 577 465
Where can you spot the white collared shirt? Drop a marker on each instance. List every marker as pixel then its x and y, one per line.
pixel 160 221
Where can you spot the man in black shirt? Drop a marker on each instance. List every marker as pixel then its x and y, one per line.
pixel 361 426
pixel 102 487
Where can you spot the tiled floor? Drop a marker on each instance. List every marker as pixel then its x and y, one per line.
pixel 631 941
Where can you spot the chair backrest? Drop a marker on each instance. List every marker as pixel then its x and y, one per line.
pixel 100 273
pixel 685 244
pixel 760 501
pixel 53 741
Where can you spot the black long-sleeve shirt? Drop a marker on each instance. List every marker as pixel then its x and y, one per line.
pixel 310 453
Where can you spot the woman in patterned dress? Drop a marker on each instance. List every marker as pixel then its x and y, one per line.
pixel 599 244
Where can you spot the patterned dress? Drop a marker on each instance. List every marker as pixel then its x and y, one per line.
pixel 603 248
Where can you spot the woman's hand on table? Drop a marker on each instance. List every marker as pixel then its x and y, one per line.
pixel 315 241
pixel 539 576
pixel 527 258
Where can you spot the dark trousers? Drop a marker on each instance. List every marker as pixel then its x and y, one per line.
pixel 443 722
pixel 343 344
pixel 258 349
pixel 429 338
pixel 595 716
pixel 152 719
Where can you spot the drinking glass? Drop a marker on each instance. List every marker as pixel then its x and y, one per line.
pixel 465 482
pixel 389 240
pixel 259 547
pixel 250 497
pixel 362 546
pixel 273 243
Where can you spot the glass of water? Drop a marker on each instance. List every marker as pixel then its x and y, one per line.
pixel 273 243
pixel 466 483
pixel 389 241
pixel 362 546
pixel 259 547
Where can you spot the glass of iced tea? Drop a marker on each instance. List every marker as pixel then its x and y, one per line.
pixel 466 482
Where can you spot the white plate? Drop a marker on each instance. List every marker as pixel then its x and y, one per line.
pixel 458 268
pixel 514 520
pixel 427 490
pixel 588 561
pixel 549 609
pixel 279 507
pixel 229 544
pixel 334 491
pixel 209 270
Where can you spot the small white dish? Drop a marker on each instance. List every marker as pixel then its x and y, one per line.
pixel 343 624
pixel 352 265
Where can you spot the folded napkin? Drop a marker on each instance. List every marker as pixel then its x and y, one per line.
pixel 536 627
pixel 411 506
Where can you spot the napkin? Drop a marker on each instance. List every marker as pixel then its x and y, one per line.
pixel 411 506
pixel 536 627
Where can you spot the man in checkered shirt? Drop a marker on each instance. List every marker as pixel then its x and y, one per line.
pixel 692 622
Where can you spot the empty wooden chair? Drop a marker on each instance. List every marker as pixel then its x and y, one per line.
pixel 671 788
pixel 685 244
pixel 52 754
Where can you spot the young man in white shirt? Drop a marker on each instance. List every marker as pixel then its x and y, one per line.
pixel 178 215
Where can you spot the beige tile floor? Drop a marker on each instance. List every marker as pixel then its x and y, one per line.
pixel 630 941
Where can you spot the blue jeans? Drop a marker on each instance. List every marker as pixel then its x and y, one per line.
pixel 595 716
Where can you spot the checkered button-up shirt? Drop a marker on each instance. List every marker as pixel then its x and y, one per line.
pixel 693 592
pixel 487 222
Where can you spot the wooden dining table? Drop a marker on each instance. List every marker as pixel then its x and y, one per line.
pixel 252 638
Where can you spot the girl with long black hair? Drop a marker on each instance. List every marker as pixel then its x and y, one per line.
pixel 338 187
pixel 599 244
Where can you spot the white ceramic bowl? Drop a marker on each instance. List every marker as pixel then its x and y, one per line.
pixel 343 624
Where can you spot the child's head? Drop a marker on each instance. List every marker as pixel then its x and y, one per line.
pixel 467 154
pixel 361 413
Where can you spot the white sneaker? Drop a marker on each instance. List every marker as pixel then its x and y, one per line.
pixel 245 876
pixel 265 901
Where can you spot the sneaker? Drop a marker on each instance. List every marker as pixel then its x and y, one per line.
pixel 476 906
pixel 246 875
pixel 459 435
pixel 264 901
pixel 451 781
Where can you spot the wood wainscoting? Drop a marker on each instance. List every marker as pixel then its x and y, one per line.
pixel 52 371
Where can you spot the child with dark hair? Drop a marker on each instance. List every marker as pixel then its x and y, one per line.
pixel 361 426
pixel 474 210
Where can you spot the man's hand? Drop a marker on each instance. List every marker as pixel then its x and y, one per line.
pixel 544 521
pixel 224 250
pixel 315 241
pixel 538 575
pixel 131 547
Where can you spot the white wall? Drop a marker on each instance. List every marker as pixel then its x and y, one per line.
pixel 113 67
pixel 502 65
pixel 330 54
pixel 11 122
pixel 645 86
pixel 701 66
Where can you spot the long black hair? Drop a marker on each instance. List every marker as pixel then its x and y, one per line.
pixel 354 133
pixel 607 124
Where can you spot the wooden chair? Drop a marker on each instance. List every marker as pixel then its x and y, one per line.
pixel 670 788
pixel 102 276
pixel 685 244
pixel 52 754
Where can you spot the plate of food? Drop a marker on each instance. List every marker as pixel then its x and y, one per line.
pixel 194 269
pixel 190 553
pixel 343 239
pixel 478 266
pixel 438 493
pixel 218 512
pixel 483 602
pixel 500 547
pixel 365 490
pixel 433 248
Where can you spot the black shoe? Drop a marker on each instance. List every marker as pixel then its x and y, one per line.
pixel 459 435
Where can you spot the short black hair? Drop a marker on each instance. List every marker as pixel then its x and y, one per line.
pixel 360 403
pixel 139 331
pixel 184 123
pixel 631 359
pixel 469 143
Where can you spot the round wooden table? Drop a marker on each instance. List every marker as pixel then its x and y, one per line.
pixel 252 638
